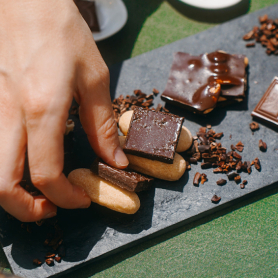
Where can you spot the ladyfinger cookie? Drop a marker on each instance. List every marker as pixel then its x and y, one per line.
pixel 105 193
pixel 185 140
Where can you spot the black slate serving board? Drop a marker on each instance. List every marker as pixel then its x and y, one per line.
pixel 97 232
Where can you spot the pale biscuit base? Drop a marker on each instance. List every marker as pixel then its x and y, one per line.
pixel 185 140
pixel 105 193
pixel 156 169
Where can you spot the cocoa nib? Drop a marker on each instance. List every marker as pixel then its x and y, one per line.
pixel 254 126
pixel 262 145
pixel 37 262
pixel 203 178
pixel 257 164
pixel 49 261
pixel 237 179
pixel 215 199
pixel 221 182
pixel 197 179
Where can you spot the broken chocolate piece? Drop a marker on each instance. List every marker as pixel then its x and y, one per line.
pixel 267 109
pixel 153 135
pixel 257 164
pixel 231 175
pixel 124 178
pixel 194 80
pixel 215 199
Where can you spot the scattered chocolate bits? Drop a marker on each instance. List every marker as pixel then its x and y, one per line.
pixel 266 34
pixel 215 199
pixel 221 182
pixel 123 104
pixel 58 259
pixel 239 146
pixel 262 145
pixel 254 126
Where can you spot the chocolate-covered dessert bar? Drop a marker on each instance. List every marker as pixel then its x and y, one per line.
pixel 89 13
pixel 153 135
pixel 267 108
pixel 124 178
pixel 194 81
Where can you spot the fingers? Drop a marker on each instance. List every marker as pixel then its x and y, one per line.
pixel 46 157
pixel 96 112
pixel 13 198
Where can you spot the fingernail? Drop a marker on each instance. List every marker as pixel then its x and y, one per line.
pixel 50 215
pixel 120 157
pixel 86 206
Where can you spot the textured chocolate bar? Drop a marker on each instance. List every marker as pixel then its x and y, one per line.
pixel 153 135
pixel 267 108
pixel 89 13
pixel 124 178
pixel 193 80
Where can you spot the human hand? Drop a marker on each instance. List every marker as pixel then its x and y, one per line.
pixel 47 56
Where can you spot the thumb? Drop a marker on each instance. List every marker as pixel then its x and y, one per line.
pixel 96 115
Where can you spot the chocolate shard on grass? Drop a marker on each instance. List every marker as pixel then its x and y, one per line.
pixel 124 178
pixel 153 135
pixel 199 83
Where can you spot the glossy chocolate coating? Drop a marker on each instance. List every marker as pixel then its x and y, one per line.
pixel 153 135
pixel 192 76
pixel 267 108
pixel 124 178
pixel 88 11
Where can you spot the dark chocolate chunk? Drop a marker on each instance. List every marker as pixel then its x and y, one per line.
pixel 89 13
pixel 124 178
pixel 254 126
pixel 267 108
pixel 153 135
pixel 194 80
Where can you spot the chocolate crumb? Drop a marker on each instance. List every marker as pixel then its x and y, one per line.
pixel 58 259
pixel 242 185
pixel 237 179
pixel 215 199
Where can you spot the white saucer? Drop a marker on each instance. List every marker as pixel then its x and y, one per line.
pixel 211 4
pixel 112 16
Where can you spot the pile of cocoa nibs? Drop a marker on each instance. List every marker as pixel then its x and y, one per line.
pixel 212 154
pixel 266 34
pixel 123 104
